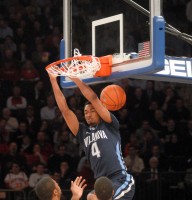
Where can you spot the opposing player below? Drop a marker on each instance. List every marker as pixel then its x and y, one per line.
pixel 100 139
pixel 103 188
pixel 48 189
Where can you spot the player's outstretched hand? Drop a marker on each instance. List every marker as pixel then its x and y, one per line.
pixel 51 75
pixel 77 188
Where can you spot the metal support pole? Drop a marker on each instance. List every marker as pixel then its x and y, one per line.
pixel 67 27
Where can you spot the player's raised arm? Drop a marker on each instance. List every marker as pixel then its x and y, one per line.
pixel 91 96
pixel 68 114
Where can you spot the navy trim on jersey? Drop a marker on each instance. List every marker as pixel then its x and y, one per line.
pixel 124 188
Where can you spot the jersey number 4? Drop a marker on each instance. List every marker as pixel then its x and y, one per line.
pixel 95 150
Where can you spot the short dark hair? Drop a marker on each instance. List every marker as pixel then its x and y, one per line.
pixel 87 103
pixel 44 188
pixel 103 188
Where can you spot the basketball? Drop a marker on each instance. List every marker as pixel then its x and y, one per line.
pixel 113 97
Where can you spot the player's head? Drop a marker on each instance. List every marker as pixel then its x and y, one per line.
pixel 103 188
pixel 47 189
pixel 91 116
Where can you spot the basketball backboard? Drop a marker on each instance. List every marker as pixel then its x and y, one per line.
pixel 176 69
pixel 147 57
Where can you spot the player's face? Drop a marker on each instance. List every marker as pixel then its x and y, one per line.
pixel 91 116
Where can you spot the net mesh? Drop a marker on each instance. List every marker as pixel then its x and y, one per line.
pixel 78 66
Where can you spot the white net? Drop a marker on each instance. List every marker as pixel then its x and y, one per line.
pixel 80 66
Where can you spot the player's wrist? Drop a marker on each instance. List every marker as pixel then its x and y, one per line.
pixel 75 197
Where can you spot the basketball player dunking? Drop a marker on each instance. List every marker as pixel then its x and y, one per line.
pixel 100 139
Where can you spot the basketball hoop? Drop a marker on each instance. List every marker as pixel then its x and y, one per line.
pixel 76 66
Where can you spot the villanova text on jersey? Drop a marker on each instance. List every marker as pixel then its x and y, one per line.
pixel 93 137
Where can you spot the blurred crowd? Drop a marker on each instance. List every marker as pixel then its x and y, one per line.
pixel 155 123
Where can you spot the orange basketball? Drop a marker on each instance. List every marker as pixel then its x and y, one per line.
pixel 113 97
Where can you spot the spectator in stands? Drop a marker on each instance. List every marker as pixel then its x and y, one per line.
pixel 177 153
pixel 32 119
pixel 48 111
pixel 174 146
pixel 64 138
pixel 28 72
pixel 20 35
pixel 38 96
pixel 28 76
pixel 132 142
pixel 44 126
pixel 138 107
pixel 6 66
pixel 150 92
pixel 36 176
pixel 11 123
pixel 67 175
pixel 169 99
pixel 153 106
pixel 56 176
pixel 145 126
pixel 12 156
pixel 133 161
pixel 84 170
pixel 57 122
pixel 53 48
pixel 149 140
pixel 4 137
pixel 21 131
pixel 22 53
pixel 5 29
pixel 129 90
pixel 46 146
pixel 152 179
pixel 10 44
pixel 80 115
pixel 38 55
pixel 170 129
pixel 35 157
pixel 72 103
pixel 56 158
pixel 158 152
pixel 9 58
pixel 180 113
pixel 159 123
pixel 123 116
pixel 9 75
pixel 26 145
pixel 16 179
pixel 16 102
